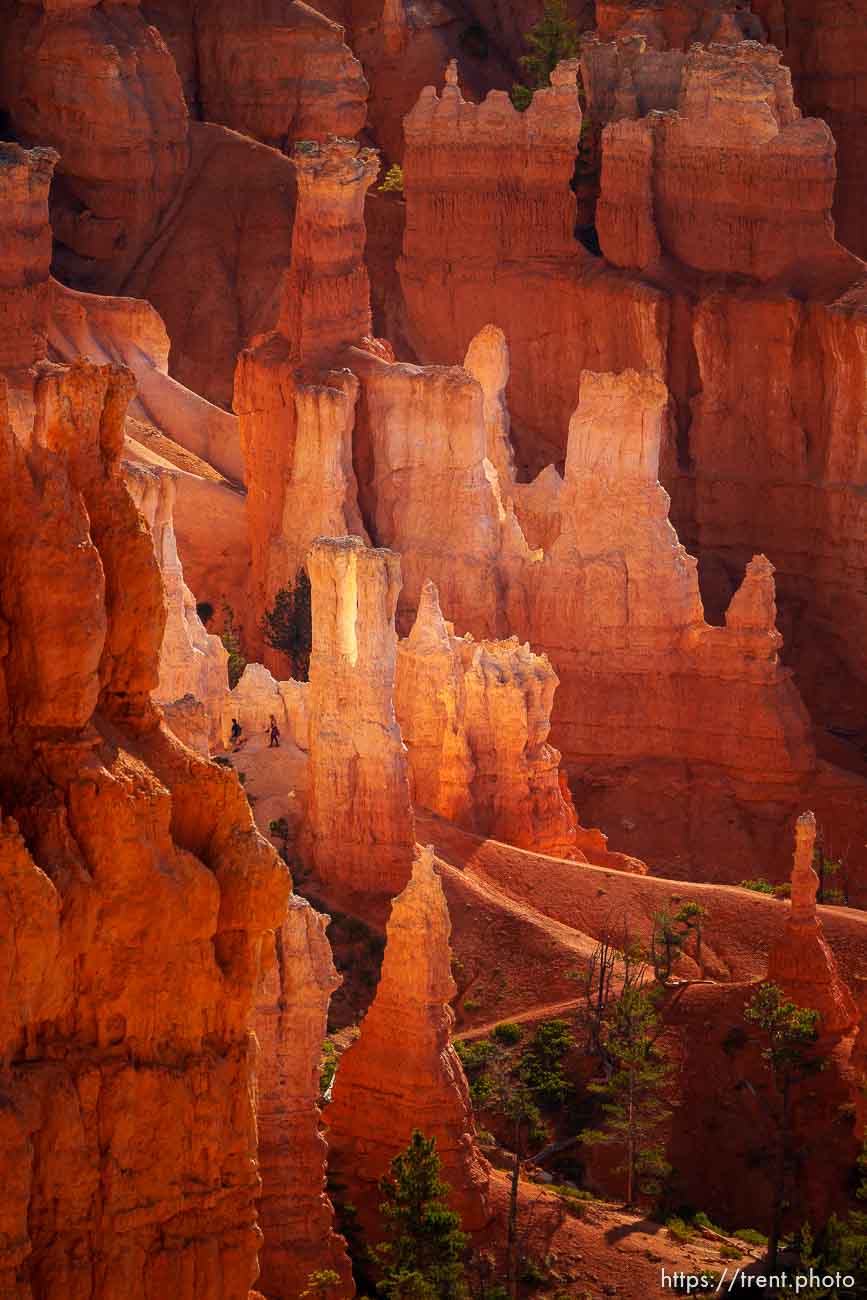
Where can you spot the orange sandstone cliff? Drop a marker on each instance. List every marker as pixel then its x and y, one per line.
pixel 137 894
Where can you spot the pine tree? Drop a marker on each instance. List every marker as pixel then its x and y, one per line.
pixel 634 1102
pixel 554 37
pixel 231 639
pixel 423 1256
pixel 789 1033
pixel 288 626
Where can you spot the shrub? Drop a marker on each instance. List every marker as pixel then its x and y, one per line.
pixel 393 180
pixel 471 1004
pixel 288 627
pixel 327 1066
pixel 751 1236
pixel 508 1032
pixel 474 1056
pixel 758 886
pixel 541 1067
pixel 231 639
pixel 701 1220
pixel 679 1229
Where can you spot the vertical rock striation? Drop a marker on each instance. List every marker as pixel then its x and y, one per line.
pixel 136 895
pixel 291 1014
pixel 402 1072
pixel 475 717
pixel 296 416
pixel 193 681
pixel 672 182
pixel 360 828
pixel 277 70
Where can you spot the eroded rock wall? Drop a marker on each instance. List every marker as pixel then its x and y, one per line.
pixel 475 717
pixel 136 897
pixel 193 682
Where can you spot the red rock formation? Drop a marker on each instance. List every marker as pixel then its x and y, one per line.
pixel 136 894
pixel 192 681
pixel 450 142
pixel 745 463
pixel 616 605
pixel 194 218
pixel 801 962
pixel 490 217
pixel 297 439
pixel 128 331
pixel 326 298
pixel 376 1108
pixel 359 829
pixel 428 489
pixel 677 23
pixel 290 1021
pixel 475 717
pixel 671 182
pixel 296 424
pixel 25 177
pixel 824 42
pixel 278 71
pixel 98 84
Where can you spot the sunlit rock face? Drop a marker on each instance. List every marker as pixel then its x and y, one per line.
pixel 193 681
pixel 136 897
pixel 376 1108
pixel 360 831
pixel 475 717
pixel 295 1214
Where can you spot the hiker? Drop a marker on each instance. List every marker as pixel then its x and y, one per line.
pixel 274 730
pixel 235 734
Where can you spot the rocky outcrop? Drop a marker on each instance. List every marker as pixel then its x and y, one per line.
pixel 429 490
pixel 326 297
pixel 193 682
pixel 136 894
pixel 190 216
pixel 375 1109
pixel 359 827
pixel 475 717
pixel 296 419
pixel 824 42
pixel 458 156
pixel 278 71
pixel 297 439
pixel 490 219
pixel 128 331
pixel 616 605
pixel 25 178
pixel 676 24
pixel 99 85
pixel 290 1021
pixel 737 144
pixel 801 962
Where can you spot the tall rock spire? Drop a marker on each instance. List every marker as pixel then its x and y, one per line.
pixel 801 961
pixel 403 1073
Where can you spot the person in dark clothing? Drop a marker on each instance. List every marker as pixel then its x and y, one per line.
pixel 235 733
pixel 274 730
